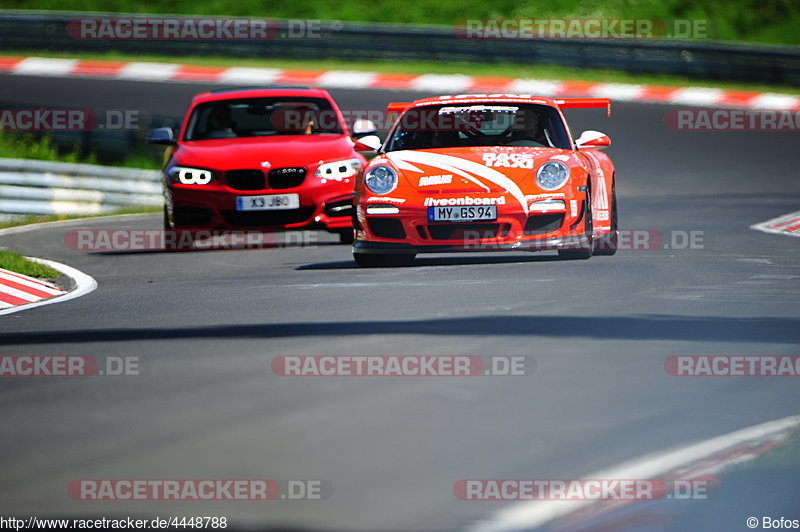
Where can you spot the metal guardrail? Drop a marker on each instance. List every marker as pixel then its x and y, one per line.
pixel 31 31
pixel 43 187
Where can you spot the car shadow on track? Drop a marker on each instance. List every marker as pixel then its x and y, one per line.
pixel 644 327
pixel 440 261
pixel 210 249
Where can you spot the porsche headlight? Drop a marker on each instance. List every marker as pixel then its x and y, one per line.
pixel 338 170
pixel 381 179
pixel 190 176
pixel 552 175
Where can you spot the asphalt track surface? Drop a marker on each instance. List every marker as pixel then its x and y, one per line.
pixel 206 325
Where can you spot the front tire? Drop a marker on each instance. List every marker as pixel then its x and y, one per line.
pixel 584 252
pixel 167 225
pixel 346 236
pixel 608 246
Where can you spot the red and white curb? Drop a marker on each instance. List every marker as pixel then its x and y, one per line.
pixel 788 224
pixel 709 456
pixel 20 292
pixel 17 289
pixel 441 83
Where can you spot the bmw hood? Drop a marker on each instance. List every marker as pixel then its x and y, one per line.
pixel 264 152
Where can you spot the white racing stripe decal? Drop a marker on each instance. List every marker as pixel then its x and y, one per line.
pixel 405 165
pixel 457 165
pixel 458 171
pixel 601 202
pixel 441 167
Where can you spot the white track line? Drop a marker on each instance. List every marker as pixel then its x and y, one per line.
pixel 770 225
pixel 528 515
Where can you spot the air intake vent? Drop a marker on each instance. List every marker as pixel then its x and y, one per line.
pixel 245 179
pixel 286 177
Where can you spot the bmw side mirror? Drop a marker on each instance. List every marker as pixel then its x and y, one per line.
pixel 162 135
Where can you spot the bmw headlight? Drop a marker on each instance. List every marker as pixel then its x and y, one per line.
pixel 338 170
pixel 552 175
pixel 381 179
pixel 190 176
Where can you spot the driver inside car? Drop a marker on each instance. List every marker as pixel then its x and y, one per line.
pixel 525 131
pixel 220 125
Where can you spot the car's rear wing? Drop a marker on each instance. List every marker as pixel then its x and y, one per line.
pixel 584 103
pixel 397 107
pixel 564 103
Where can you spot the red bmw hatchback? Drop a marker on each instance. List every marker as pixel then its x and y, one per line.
pixel 261 158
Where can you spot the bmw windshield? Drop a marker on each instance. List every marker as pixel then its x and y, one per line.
pixel 261 117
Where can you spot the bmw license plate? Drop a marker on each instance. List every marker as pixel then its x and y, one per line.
pixel 462 214
pixel 273 202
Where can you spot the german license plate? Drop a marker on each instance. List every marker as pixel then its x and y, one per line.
pixel 462 214
pixel 273 202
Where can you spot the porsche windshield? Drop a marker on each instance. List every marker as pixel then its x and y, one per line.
pixel 450 126
pixel 261 117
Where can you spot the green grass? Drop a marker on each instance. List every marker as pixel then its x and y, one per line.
pixel 17 263
pixel 41 218
pixel 43 148
pixel 766 21
pixel 431 67
pixel 139 159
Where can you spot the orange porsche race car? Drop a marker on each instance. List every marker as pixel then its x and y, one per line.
pixel 482 172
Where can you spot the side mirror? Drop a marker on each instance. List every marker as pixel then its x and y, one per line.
pixel 162 135
pixel 592 140
pixel 370 143
pixel 362 127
